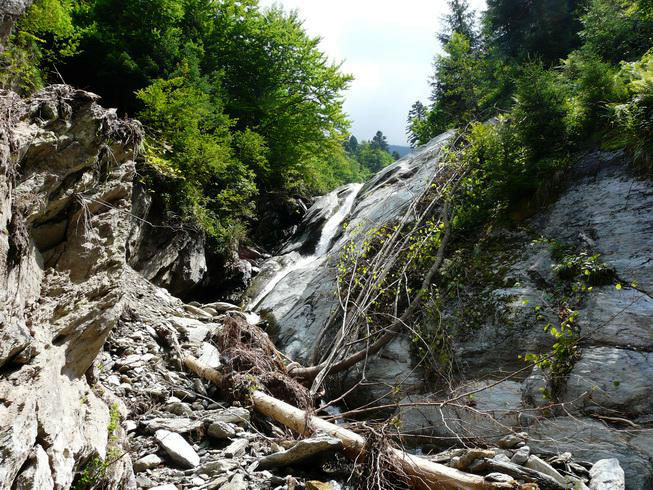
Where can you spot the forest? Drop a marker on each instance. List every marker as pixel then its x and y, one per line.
pixel 239 101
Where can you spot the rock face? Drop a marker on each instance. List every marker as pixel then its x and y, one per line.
pixel 297 287
pixel 66 169
pixel 603 210
pixel 10 10
pixel 170 255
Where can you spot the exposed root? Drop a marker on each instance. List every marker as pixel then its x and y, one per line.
pixel 378 466
pixel 252 362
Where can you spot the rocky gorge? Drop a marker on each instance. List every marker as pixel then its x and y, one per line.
pixel 93 388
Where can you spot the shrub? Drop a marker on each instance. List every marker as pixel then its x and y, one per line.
pixel 539 111
pixel 634 117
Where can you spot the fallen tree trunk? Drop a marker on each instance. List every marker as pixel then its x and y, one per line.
pixel 423 474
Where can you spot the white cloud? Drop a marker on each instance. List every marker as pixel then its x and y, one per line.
pixel 387 45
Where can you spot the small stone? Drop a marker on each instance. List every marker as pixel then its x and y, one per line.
pixel 177 448
pixel 147 462
pixel 168 486
pixel 537 464
pixel 143 481
pixel 221 430
pixel 209 355
pixel 180 425
pixel 233 415
pixel 215 468
pixel 236 448
pixel 499 478
pixel 179 408
pixel 197 311
pixel 502 458
pixel 236 483
pixel 512 440
pixel 521 455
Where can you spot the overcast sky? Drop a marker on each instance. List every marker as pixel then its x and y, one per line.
pixel 387 45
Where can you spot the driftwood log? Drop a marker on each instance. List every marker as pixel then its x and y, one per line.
pixel 424 474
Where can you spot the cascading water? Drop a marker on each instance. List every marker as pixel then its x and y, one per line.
pixel 329 231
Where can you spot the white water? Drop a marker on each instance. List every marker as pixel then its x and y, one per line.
pixel 329 231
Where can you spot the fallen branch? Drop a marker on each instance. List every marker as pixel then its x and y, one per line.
pixel 423 474
pixel 325 368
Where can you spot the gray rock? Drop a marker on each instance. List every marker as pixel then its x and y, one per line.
pixel 222 307
pixel 147 462
pixel 62 275
pixel 521 455
pixel 607 474
pixel 194 329
pixel 37 474
pixel 236 483
pixel 233 415
pixel 167 486
pixel 608 379
pixel 221 430
pixel 179 425
pixel 537 464
pixel 512 440
pixel 303 450
pixel 236 448
pixel 501 402
pixel 214 468
pixel 176 447
pixel 209 355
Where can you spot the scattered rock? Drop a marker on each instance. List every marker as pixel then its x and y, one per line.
pixel 512 440
pixel 221 430
pixel 236 448
pixel 177 448
pixel 521 455
pixel 179 425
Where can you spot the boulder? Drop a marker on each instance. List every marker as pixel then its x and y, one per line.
pixel 607 474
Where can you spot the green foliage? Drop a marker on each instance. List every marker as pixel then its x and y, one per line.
pixel 544 29
pixel 456 83
pixel 498 173
pixel 590 87
pixel 192 143
pixel 44 36
pixel 616 32
pixel 237 100
pixel 564 353
pixel 588 267
pixel 634 116
pixel 539 111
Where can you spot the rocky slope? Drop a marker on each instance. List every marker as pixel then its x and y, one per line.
pixel 601 218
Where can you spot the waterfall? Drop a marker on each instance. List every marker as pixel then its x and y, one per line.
pixel 328 233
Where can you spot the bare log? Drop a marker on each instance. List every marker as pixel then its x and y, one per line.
pixel 425 475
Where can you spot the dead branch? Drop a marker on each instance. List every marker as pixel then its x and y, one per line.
pixel 393 330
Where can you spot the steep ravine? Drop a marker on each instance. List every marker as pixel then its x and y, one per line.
pixel 90 368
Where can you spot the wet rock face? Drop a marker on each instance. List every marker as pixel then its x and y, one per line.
pixel 302 301
pixel 66 170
